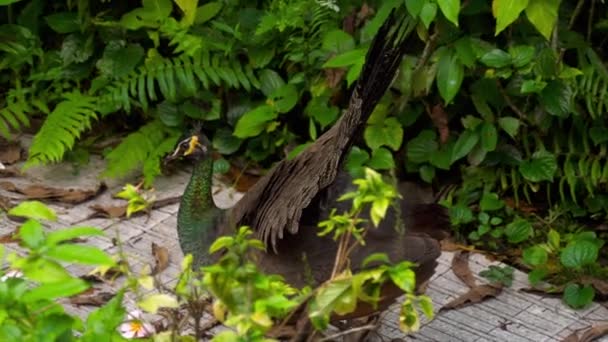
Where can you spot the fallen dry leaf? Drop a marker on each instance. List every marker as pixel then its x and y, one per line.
pixel 117 211
pixel 97 299
pixel 477 293
pixel 460 267
pixel 37 191
pixel 440 120
pixel 10 152
pixel 161 257
pixel 9 238
pixel 590 334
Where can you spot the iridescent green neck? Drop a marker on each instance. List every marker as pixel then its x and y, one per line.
pixel 198 216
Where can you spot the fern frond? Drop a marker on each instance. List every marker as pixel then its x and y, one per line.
pixel 592 86
pixel 178 77
pixel 14 113
pixel 143 147
pixel 61 129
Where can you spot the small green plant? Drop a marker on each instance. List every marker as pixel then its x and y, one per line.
pixel 501 275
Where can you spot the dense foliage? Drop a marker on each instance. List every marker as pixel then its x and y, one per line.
pixel 503 98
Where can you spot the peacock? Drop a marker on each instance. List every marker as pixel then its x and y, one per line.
pixel 286 204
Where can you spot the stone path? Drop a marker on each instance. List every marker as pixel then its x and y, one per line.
pixel 512 316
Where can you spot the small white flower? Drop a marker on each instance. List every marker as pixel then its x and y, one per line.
pixel 135 327
pixel 2 166
pixel 11 274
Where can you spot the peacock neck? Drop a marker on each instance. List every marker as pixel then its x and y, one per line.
pixel 198 216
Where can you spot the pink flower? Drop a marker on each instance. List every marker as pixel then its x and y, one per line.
pixel 135 327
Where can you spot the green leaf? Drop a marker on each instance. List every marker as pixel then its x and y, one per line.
pixel 542 166
pixel 119 60
pixel 45 271
pixel 428 13
pixel 66 234
pixel 506 12
pixel 32 234
pixel 254 121
pixel 450 73
pixel 152 14
pixel 382 159
pixel 553 239
pixel 543 15
pixel 558 98
pixel 521 55
pixel 489 136
pixel 224 142
pixel 220 243
pixel 403 276
pixel 284 98
pixel 496 59
pixel 152 303
pixel 442 158
pixel 490 202
pixel 374 258
pixel 420 148
pixel 63 22
pixel 450 9
pixel 414 7
pixel 532 86
pixel 519 230
pixel 270 81
pixel 34 210
pixel 464 51
pixel 388 132
pixel 80 254
pixel 577 296
pixel 569 72
pixel 60 289
pixel 537 275
pixel 535 256
pixel 207 12
pixel 338 296
pixel 345 59
pixel 510 125
pixel 337 41
pixel 465 143
pixel 189 11
pixel 427 173
pixel 579 253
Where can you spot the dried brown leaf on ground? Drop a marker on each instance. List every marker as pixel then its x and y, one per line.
pixel 161 257
pixel 555 292
pixel 589 334
pixel 460 267
pixel 119 211
pixel 9 172
pixel 97 299
pixel 9 237
pixel 65 195
pixel 477 293
pixel 440 120
pixel 10 152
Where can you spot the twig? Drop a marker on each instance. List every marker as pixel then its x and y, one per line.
pixel 348 332
pixel 575 14
pixel 509 101
pixel 426 53
pixel 590 20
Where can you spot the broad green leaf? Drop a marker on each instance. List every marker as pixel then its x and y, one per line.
pixel 337 41
pixel 537 275
pixel 403 276
pixel 579 253
pixel 80 254
pixel 464 51
pixel 553 239
pixel 427 173
pixel 220 243
pixel 320 109
pixel 224 142
pixel 389 133
pixel 8 2
pixel 284 98
pixel 152 14
pixel 428 13
pixel 477 155
pixel 375 258
pixel 496 59
pixel 253 122
pixel 345 59
pixel 450 9
pixel 338 296
pixel 45 271
pixel 519 230
pixel 558 98
pixel 207 11
pixel 521 55
pixel 189 10
pixel 34 210
pixel 450 73
pixel 63 22
pixel 420 148
pixel 578 296
pixel 119 60
pixel 489 136
pixel 465 143
pixel 490 202
pixel 546 63
pixel 569 72
pixel 510 125
pixel 532 86
pixel 32 234
pixel 66 234
pixel 270 81
pixel 543 15
pixel 382 159
pixel 542 166
pixel 535 256
pixel 470 122
pixel 61 289
pixel 442 159
pixel 152 303
pixel 506 12
pixel 414 7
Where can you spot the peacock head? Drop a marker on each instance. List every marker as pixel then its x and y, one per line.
pixel 196 146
